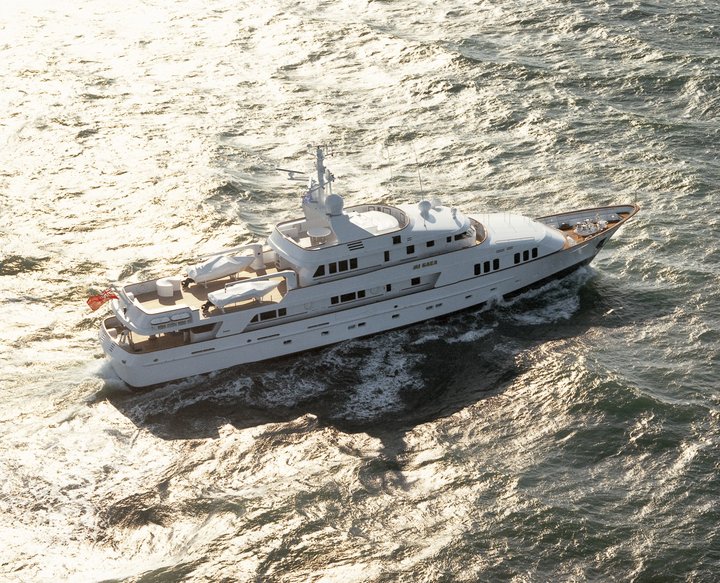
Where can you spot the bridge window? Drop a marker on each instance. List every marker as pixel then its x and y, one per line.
pixel 343 265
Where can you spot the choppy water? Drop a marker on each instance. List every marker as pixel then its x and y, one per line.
pixel 572 434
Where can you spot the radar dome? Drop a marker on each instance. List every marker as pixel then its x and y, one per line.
pixel 334 204
pixel 425 206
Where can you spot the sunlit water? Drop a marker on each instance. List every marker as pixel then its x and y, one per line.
pixel 572 434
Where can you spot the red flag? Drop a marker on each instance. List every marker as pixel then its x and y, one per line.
pixel 104 296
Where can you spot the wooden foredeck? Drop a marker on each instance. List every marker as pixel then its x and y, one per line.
pixel 569 231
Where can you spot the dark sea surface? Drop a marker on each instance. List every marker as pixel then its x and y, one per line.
pixel 572 434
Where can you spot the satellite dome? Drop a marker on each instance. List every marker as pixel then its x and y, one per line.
pixel 334 204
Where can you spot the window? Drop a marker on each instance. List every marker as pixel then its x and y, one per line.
pixel 449 239
pixel 320 271
pixel 486 266
pixel 332 268
pixel 388 287
pixel 410 249
pixel 496 264
pixel 353 263
pixel 387 255
pixel 347 297
pixel 343 265
pixel 477 269
pixel 334 300
pixel 263 316
pixel 268 315
pixel 396 240
pixel 534 252
pixel 517 258
pixel 430 244
pixel 361 294
pixel 415 281
pixel 526 255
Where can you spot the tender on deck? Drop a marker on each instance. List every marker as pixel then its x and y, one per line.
pixel 195 296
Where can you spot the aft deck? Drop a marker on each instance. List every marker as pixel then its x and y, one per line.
pixel 196 294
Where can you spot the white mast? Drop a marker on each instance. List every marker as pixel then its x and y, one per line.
pixel 319 164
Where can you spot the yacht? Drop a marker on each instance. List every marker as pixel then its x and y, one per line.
pixel 338 273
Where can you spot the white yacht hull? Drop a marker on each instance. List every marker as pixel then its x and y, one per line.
pixel 151 368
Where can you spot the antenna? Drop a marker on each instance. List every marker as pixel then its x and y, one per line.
pixel 386 149
pixel 292 173
pixel 417 166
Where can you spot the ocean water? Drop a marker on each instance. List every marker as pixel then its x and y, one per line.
pixel 572 434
